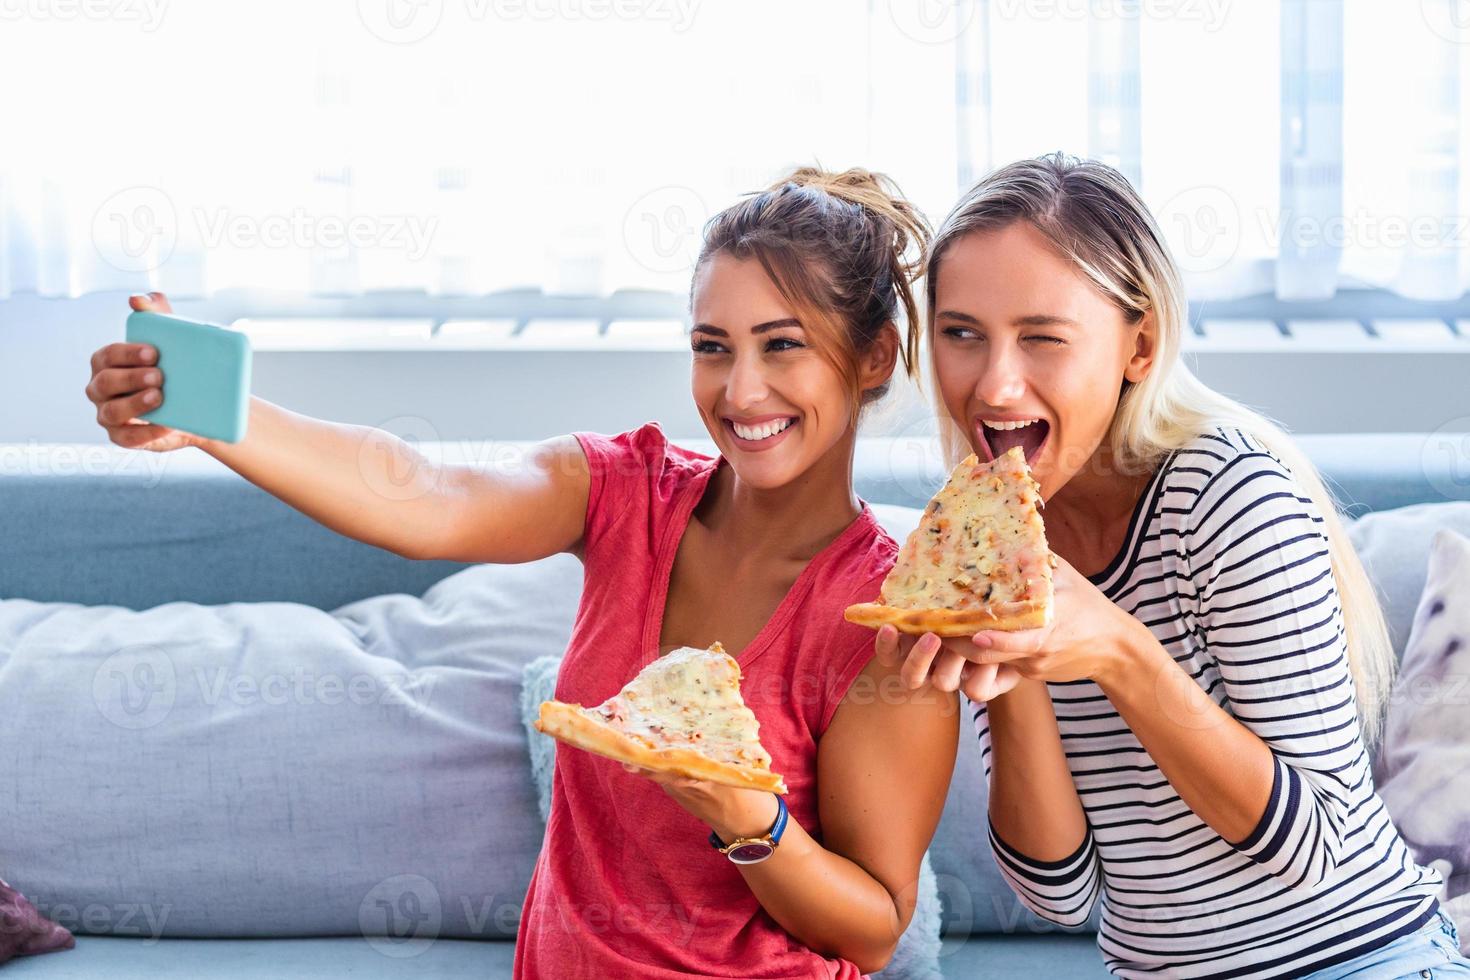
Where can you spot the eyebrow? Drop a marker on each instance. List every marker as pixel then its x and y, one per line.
pixel 758 328
pixel 1033 320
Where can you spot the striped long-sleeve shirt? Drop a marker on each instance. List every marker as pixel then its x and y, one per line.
pixel 1226 562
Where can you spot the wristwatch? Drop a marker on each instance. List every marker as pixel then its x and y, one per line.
pixel 753 850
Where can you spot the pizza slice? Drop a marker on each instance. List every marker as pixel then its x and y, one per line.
pixel 978 559
pixel 682 714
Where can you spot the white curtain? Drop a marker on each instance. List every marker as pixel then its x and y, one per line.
pixel 575 146
pixel 1288 147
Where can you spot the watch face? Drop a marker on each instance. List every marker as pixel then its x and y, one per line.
pixel 752 853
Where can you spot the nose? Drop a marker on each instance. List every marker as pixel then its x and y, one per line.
pixel 745 387
pixel 1003 381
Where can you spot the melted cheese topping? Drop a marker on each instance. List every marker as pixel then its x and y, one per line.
pixel 980 541
pixel 689 698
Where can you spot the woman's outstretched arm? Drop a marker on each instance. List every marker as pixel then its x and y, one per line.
pixel 364 482
pixel 371 485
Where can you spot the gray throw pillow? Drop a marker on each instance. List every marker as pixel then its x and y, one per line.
pixel 1392 545
pixel 1424 765
pixel 272 769
pixel 917 956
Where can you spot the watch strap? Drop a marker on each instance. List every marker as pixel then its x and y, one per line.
pixel 777 829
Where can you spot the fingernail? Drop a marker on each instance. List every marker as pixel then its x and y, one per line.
pixel 150 397
pixel 149 353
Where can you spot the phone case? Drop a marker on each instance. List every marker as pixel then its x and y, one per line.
pixel 206 374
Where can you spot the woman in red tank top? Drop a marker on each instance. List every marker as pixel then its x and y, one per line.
pixel 795 300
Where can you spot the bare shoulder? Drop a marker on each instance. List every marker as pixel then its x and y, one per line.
pixel 562 455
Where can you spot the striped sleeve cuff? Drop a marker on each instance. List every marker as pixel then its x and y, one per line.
pixel 1061 891
pixel 1288 840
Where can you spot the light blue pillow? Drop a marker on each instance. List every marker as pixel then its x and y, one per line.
pixel 917 956
pixel 538 683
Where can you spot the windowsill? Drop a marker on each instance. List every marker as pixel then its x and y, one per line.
pixel 460 336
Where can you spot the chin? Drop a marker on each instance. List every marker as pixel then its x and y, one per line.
pixel 763 474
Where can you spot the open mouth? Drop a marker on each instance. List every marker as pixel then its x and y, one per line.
pixel 762 435
pixel 1031 437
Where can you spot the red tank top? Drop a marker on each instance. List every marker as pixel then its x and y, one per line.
pixel 626 884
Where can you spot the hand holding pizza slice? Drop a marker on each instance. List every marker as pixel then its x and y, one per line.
pixel 682 714
pixel 977 561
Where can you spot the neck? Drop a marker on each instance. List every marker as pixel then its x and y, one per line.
pixel 1097 496
pixel 795 520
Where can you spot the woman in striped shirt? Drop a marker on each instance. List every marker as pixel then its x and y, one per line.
pixel 1188 738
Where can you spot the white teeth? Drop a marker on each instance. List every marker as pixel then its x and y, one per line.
pixel 1007 426
pixel 763 431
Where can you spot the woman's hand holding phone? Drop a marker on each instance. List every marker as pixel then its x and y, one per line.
pixel 126 382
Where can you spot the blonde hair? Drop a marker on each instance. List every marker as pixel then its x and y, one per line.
pixel 1093 217
pixel 845 249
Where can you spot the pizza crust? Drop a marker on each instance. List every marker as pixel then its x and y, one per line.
pixel 571 724
pixel 951 622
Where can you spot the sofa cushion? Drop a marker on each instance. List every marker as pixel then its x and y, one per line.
pixel 1039 955
pixel 116 958
pixel 272 769
pixel 73 514
pixel 1426 746
pixel 1393 545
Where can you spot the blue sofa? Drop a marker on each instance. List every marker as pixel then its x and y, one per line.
pixel 96 525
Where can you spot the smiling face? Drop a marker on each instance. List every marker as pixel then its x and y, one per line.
pixel 772 403
pixel 1020 336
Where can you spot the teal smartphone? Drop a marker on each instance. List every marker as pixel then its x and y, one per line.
pixel 206 374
